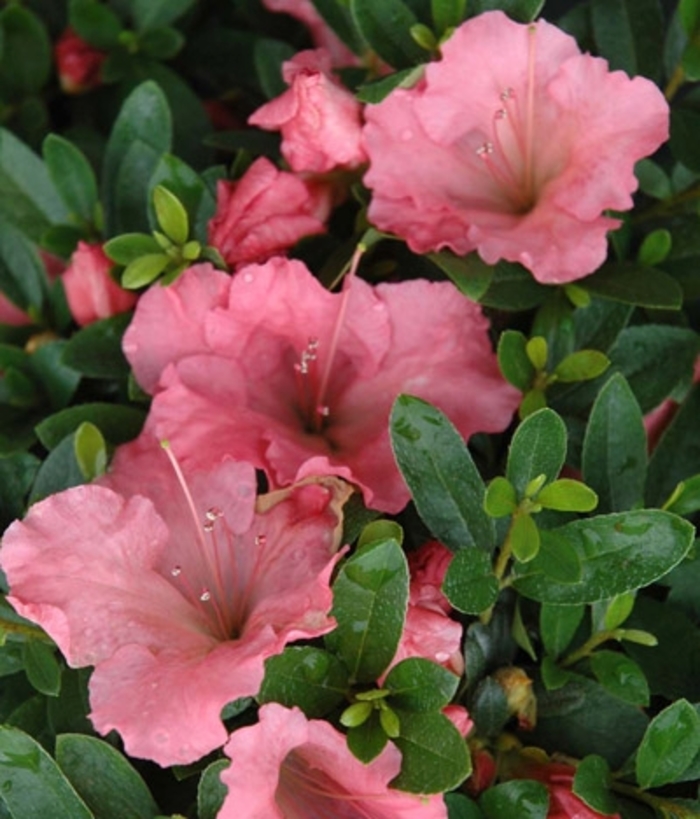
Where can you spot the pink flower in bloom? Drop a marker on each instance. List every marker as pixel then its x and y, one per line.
pixel 321 33
pixel 78 63
pixel 176 593
pixel 320 120
pixel 91 292
pixel 519 162
pixel 266 212
pixel 274 369
pixel 288 767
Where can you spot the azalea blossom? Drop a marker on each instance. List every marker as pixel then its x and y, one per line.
pixel 266 212
pixel 78 63
pixel 518 157
pixel 274 369
pixel 91 293
pixel 288 767
pixel 320 120
pixel 176 589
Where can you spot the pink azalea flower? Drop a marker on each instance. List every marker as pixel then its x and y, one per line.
pixel 176 595
pixel 521 161
pixel 92 294
pixel 288 767
pixel 321 33
pixel 320 120
pixel 300 381
pixel 266 212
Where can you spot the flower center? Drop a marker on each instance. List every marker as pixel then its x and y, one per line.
pixel 508 157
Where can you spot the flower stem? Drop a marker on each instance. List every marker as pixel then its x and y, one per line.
pixel 590 646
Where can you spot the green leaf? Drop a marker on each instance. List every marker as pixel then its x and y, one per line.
pixel 151 14
pixel 514 361
pixel 558 625
pixel 118 423
pixel 469 274
pixel 381 530
pixel 310 678
pixel 419 685
pixel 523 11
pixel 470 584
pixel 489 708
pixel 434 756
pixel 438 469
pixel 653 180
pixel 25 56
pixel 105 780
pixel 683 143
pixel 162 43
pixel 592 785
pixel 583 365
pixel 95 22
pixel 141 135
pixel 211 791
pixel 567 495
pixel 500 499
pixel 42 668
pixel 617 553
pixel 626 33
pixel 524 538
pixel 95 351
pixel 374 92
pixel 538 448
pixel 172 216
pixel 36 785
pixel 386 27
pixel 670 743
pixel 633 283
pixel 269 56
pixel 447 14
pixel 536 351
pixel 689 15
pixel 618 610
pixel 621 677
pixel 686 499
pixel 519 799
pixel 655 247
pixel 553 676
pixel 58 471
pixel 614 457
pixel 368 740
pixel 144 270
pixel 22 274
pixel 513 288
pixel 370 596
pixel 90 451
pixel 338 17
pixel 17 472
pixel 128 247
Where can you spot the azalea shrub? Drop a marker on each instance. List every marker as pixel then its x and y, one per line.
pixel 349 409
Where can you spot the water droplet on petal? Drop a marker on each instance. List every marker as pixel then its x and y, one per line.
pixel 205 596
pixel 213 513
pixel 485 149
pixel 260 540
pixel 323 410
pixel 176 571
pixel 501 113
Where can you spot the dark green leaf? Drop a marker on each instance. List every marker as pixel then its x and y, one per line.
pixel 621 677
pixel 618 553
pixel 553 676
pixel 434 756
pixel 368 740
pixel 614 457
pixel 521 10
pixel 689 15
pixel 42 668
pixel 538 448
pixel 370 596
pixel 150 14
pixel 687 499
pixel 17 473
pixel 460 807
pixel 59 381
pixel 519 799
pixel 386 27
pixel 96 351
pixel 670 743
pixel 374 92
pixel 36 785
pixel 117 423
pixel 59 471
pixel 627 35
pixel 558 625
pixel 684 145
pixel 211 791
pixel 25 55
pixel 438 469
pixel 338 17
pixel 470 584
pixel 141 135
pixel 489 708
pixel 469 274
pixel 22 274
pixel 447 14
pixel 95 23
pixel 632 283
pixel 513 288
pixel 307 677
pixel 418 685
pixel 653 180
pixel 269 56
pixel 592 785
pixel 162 43
pixel 72 175
pixel 513 360
pixel 105 780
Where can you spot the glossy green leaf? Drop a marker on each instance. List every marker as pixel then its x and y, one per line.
pixel 655 247
pixel 162 43
pixel 686 499
pixel 59 471
pixel 368 740
pixel 558 625
pixel 17 472
pixel 144 270
pixel 524 538
pixel 513 288
pixel 469 273
pixel 617 553
pixel 618 610
pixel 592 785
pixel 633 283
pixel 380 530
pixel 356 714
pixel 518 799
pixel 621 677
pixel 582 365
pixel 489 707
pixel 95 23
pixel 22 274
pixel 386 27
pixel 192 191
pixel 514 361
pixel 152 14
pixel 338 17
pixel 461 807
pixel 42 668
pixel 470 584
pixel 172 216
pixel 310 678
pixel 670 743
pixel 446 486
pixel 25 57
pixel 434 756
pixel 211 791
pixel 537 352
pixel 72 175
pixel 500 499
pixel 627 34
pixel 614 457
pixel 537 448
pixel 447 13
pixel 36 785
pixel 521 10
pixel 95 351
pixel 419 685
pixel 567 495
pixel 689 15
pixel 684 145
pixel 553 676
pixel 103 777
pixel 118 423
pixel 370 596
pixel 90 451
pixel 653 180
pixel 128 247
